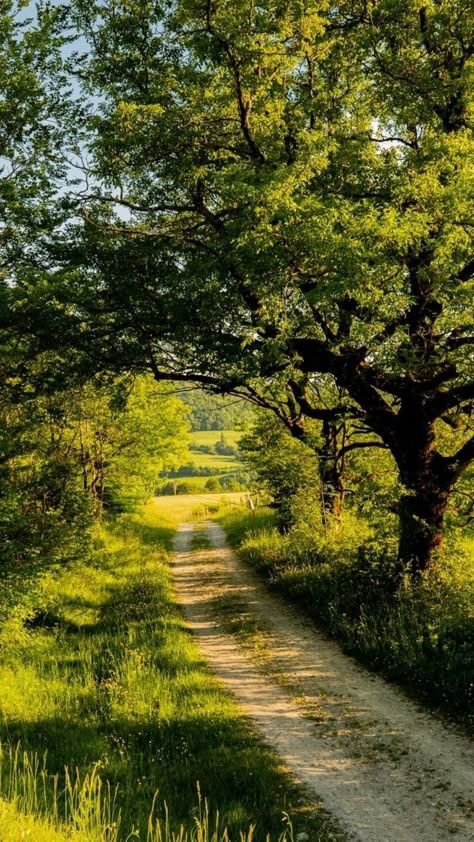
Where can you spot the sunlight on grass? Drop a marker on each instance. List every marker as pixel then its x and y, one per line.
pixel 107 683
pixel 210 437
pixel 90 809
pixel 241 524
pixel 179 508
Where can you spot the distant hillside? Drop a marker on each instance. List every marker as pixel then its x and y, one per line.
pixel 216 412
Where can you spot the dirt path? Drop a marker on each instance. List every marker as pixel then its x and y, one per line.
pixel 388 771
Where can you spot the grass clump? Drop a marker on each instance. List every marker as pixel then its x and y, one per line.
pixel 87 810
pixel 241 525
pixel 422 637
pixel 106 682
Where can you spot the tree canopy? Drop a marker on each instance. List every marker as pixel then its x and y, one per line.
pixel 278 195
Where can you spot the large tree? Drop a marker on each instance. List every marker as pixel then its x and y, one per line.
pixel 281 192
pixel 34 106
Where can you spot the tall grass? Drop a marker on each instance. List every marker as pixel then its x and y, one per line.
pixel 87 810
pixel 117 714
pixel 241 524
pixel 78 807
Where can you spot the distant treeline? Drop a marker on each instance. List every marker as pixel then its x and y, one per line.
pixel 192 470
pixel 231 481
pixel 215 412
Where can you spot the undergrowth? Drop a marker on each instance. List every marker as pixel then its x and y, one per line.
pixel 422 638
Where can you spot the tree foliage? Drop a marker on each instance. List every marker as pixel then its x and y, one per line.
pixel 34 112
pixel 123 438
pixel 299 179
pixel 280 193
pixel 215 412
pixel 68 457
pixel 283 468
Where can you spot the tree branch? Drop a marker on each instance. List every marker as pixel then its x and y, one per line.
pixel 357 445
pixel 119 200
pixel 243 107
pixel 451 399
pixel 462 459
pixel 467 272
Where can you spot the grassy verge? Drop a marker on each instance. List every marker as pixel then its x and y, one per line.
pixel 105 680
pixel 422 639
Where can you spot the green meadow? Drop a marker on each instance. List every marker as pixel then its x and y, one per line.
pixel 209 437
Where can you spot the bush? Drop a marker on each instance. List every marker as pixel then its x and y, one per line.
pixel 36 531
pixel 171 488
pixel 202 448
pixel 284 468
pixel 223 449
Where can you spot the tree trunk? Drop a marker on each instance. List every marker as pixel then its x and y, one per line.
pixel 331 472
pixel 332 490
pixel 428 481
pixel 421 529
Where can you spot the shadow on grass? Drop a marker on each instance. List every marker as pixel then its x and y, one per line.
pixel 239 778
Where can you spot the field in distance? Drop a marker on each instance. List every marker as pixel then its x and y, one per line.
pixel 210 469
pixel 184 507
pixel 210 437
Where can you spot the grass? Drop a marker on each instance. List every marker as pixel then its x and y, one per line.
pixel 240 523
pixel 221 464
pixel 106 681
pixel 178 508
pixel 210 437
pixel 422 638
pixel 92 815
pixel 200 542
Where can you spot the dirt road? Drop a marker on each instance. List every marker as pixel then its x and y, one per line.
pixel 387 770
